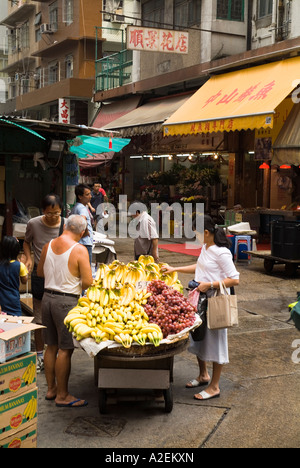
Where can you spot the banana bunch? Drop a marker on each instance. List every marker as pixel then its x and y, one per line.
pixel 109 280
pixel 101 272
pixel 134 274
pixel 123 320
pixel 30 410
pixel 128 293
pixel 29 375
pixel 146 259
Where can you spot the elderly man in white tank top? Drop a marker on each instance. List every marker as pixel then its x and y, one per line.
pixel 66 268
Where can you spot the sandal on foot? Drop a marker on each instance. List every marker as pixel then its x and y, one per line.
pixel 195 383
pixel 72 404
pixel 206 396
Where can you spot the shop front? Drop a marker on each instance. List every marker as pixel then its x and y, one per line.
pixel 250 108
pixel 34 160
pixel 169 169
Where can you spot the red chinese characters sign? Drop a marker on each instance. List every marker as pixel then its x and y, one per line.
pixel 157 40
pixel 64 111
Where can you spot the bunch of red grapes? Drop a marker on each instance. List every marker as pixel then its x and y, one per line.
pixel 169 309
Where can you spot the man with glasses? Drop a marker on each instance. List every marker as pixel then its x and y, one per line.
pixel 39 232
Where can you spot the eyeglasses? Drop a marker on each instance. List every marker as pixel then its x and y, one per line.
pixel 53 215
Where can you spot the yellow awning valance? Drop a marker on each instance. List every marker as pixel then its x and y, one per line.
pixel 239 100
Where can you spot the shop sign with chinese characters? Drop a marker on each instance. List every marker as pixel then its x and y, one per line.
pixel 157 40
pixel 64 110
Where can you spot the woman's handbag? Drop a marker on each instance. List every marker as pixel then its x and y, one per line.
pixel 222 310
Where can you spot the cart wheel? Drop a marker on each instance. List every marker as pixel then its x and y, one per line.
pixel 102 401
pixel 291 269
pixel 269 265
pixel 168 396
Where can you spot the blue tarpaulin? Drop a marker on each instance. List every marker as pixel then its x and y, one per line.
pixel 86 146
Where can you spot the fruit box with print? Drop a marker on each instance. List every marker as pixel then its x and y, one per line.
pixel 26 438
pixel 17 376
pixel 18 413
pixel 15 336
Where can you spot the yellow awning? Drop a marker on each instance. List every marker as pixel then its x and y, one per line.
pixel 239 100
pixel 286 149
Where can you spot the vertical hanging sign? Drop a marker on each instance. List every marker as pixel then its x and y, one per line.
pixel 64 110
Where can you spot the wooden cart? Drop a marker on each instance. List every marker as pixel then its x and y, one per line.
pixel 270 261
pixel 138 368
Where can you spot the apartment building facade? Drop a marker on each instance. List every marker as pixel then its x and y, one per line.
pixel 224 36
pixel 51 56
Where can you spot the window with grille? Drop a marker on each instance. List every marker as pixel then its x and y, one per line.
pixel 69 66
pixel 52 72
pixel 232 10
pixel 187 13
pixel 24 36
pixel 153 13
pixel 53 16
pixel 68 11
pixel 265 8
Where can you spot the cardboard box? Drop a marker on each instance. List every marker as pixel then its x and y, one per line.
pixel 16 338
pixel 18 413
pixel 26 438
pixel 17 376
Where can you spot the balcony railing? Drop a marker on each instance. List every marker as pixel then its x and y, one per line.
pixel 114 70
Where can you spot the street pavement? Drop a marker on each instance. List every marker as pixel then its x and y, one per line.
pixel 259 404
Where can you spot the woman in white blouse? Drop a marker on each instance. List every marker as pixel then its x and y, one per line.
pixel 215 264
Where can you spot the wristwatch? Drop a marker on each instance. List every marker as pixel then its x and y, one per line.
pixel 212 285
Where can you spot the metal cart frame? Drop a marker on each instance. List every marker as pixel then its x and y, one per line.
pixel 122 369
pixel 291 266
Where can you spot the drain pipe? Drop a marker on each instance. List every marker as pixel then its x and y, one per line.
pixel 280 20
pixel 249 25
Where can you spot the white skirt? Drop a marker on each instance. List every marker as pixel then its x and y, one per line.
pixel 214 347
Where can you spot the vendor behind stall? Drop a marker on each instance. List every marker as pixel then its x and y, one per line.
pixel 11 272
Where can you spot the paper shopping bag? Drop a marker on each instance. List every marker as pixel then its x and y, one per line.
pixel 222 310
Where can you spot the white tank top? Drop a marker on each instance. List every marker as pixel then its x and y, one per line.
pixel 57 273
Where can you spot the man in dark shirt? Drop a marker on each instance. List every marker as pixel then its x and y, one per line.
pixel 97 196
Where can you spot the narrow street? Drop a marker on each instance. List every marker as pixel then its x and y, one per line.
pixel 259 404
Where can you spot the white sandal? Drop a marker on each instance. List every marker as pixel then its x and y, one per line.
pixel 195 383
pixel 206 396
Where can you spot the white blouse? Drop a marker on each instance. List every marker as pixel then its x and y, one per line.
pixel 215 264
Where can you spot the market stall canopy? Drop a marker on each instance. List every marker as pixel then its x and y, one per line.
pixel 149 117
pixel 114 110
pixel 240 100
pixel 89 146
pixel 95 161
pixel 286 148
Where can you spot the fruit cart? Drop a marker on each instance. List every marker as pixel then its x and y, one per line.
pixel 137 368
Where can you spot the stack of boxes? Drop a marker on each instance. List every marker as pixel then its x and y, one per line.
pixel 18 383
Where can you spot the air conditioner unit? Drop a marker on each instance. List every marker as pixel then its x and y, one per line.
pixel 107 17
pixel 46 28
pixel 118 18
